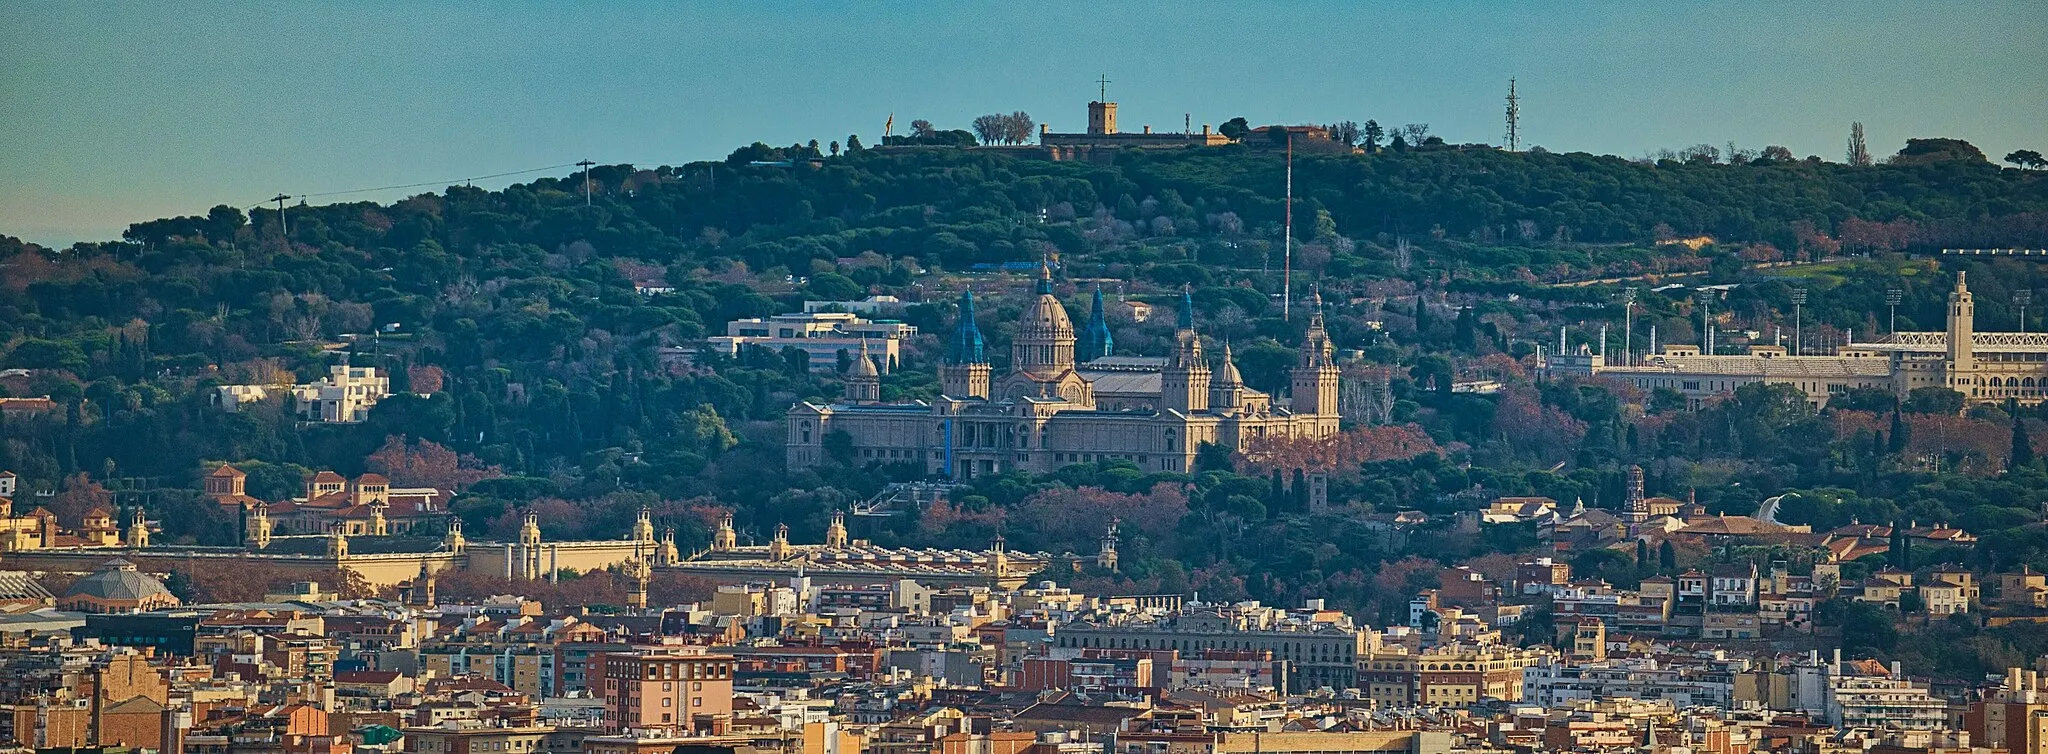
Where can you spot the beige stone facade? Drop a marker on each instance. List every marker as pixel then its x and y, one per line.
pixel 1052 409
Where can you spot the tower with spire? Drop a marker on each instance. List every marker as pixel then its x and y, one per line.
pixel 966 371
pixel 1096 341
pixel 1105 558
pixel 1314 379
pixel 863 381
pixel 1184 383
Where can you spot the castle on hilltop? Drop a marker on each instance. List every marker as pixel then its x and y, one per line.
pixel 1066 399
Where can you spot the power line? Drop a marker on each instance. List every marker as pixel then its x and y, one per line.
pixel 421 184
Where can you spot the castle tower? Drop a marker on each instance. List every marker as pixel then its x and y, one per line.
pixel 725 539
pixel 835 535
pixel 1227 392
pixel 1636 507
pixel 643 526
pixel 379 526
pixel 455 541
pixel 1962 327
pixel 863 382
pixel 1184 383
pixel 778 548
pixel 337 542
pixel 666 554
pixel 1101 118
pixel 966 371
pixel 1314 379
pixel 1096 341
pixel 259 526
pixel 1044 345
pixel 138 531
pixel 1106 557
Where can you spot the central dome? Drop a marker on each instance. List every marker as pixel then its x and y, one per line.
pixel 1045 334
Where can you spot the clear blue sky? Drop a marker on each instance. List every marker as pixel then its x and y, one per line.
pixel 116 113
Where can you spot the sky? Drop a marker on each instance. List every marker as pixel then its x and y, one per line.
pixel 118 113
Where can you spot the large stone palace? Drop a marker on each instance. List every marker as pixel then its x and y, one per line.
pixel 1067 400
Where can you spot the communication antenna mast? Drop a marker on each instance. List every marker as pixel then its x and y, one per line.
pixel 1102 88
pixel 1514 118
pixel 1287 242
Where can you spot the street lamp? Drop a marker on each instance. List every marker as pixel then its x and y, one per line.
pixel 1798 309
pixel 1892 298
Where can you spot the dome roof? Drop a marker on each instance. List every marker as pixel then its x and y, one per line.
pixel 1227 373
pixel 118 580
pixel 1046 315
pixel 863 365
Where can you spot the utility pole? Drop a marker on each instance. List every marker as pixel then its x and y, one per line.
pixel 284 228
pixel 1892 298
pixel 1798 334
pixel 1628 326
pixel 1514 118
pixel 1287 243
pixel 586 180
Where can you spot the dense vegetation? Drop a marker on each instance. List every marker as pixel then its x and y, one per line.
pixel 536 368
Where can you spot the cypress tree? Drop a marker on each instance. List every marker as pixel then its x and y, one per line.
pixel 2022 446
pixel 1900 432
pixel 1300 491
pixel 1278 494
pixel 1642 554
pixel 1667 557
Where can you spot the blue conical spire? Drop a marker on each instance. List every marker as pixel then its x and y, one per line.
pixel 968 347
pixel 1187 309
pixel 1099 342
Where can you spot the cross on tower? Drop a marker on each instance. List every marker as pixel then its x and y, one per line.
pixel 1102 88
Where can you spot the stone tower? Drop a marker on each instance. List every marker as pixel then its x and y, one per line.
pixel 455 542
pixel 966 371
pixel 1044 345
pixel 337 542
pixel 725 539
pixel 1096 341
pixel 529 530
pixel 863 381
pixel 778 548
pixel 259 526
pixel 138 531
pixel 1101 118
pixel 643 525
pixel 835 535
pixel 1184 383
pixel 1105 558
pixel 999 560
pixel 423 586
pixel 379 525
pixel 666 554
pixel 1315 378
pixel 1962 327
pixel 1636 507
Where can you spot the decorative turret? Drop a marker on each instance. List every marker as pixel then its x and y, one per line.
pixel 665 554
pixel 455 541
pixel 379 526
pixel 529 530
pixel 835 535
pixel 138 531
pixel 966 371
pixel 643 526
pixel 423 586
pixel 1314 379
pixel 1106 557
pixel 637 598
pixel 725 539
pixel 1044 344
pixel 1096 341
pixel 778 548
pixel 1227 391
pixel 337 542
pixel 998 559
pixel 259 526
pixel 863 382
pixel 1184 383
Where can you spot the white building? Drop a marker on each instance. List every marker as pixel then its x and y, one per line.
pixel 823 335
pixel 1860 698
pixel 346 395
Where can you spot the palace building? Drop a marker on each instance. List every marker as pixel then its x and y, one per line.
pixel 1986 367
pixel 1065 400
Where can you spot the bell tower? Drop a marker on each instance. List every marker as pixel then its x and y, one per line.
pixel 1314 379
pixel 1184 383
pixel 1962 328
pixel 966 371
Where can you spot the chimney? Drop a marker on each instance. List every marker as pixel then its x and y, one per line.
pixel 1837 667
pixel 1148 129
pixel 1205 129
pixel 1044 128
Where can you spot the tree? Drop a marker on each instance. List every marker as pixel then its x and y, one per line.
pixel 853 143
pixel 922 129
pixel 2022 446
pixel 1667 557
pixel 1398 144
pixel 1939 150
pixel 1859 149
pixel 2027 158
pixel 1373 132
pixel 1018 126
pixel 835 149
pixel 1415 133
pixel 1934 400
pixel 423 463
pixel 1347 133
pixel 990 129
pixel 1901 432
pixel 1234 129
pixel 1776 153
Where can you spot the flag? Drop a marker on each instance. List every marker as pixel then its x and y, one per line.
pixel 891 123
